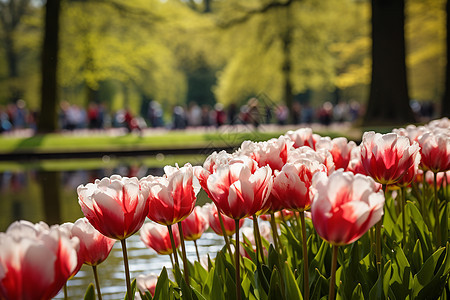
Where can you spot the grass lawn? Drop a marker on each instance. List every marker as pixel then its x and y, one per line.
pixel 166 140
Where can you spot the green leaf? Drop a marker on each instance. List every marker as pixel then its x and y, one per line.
pixel 262 286
pixel 248 247
pixel 357 293
pixel 162 286
pixel 420 229
pixel 401 281
pixel 444 223
pixel 197 294
pixel 430 281
pixel 319 286
pixel 90 293
pixel 146 296
pixel 186 290
pixel 133 290
pixel 274 290
pixel 217 289
pixel 292 290
pixel 318 262
pixel 200 272
pixel 390 220
pixel 381 287
pixel 273 258
pixel 246 286
pixel 292 245
pixel 417 256
pixel 230 283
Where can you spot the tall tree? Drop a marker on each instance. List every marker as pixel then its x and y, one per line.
pixel 388 99
pixel 49 89
pixel 445 103
pixel 11 13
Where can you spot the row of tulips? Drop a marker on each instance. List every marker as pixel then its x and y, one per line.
pixel 312 185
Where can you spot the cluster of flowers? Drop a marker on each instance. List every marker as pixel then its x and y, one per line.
pixel 342 185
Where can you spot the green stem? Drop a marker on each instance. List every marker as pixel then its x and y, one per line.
pixel 174 249
pixel 378 236
pixel 274 232
pixel 237 262
pixel 378 245
pixel 333 272
pixel 403 191
pixel 305 257
pixel 436 212
pixel 127 269
pixel 171 260
pixel 297 219
pixel 65 291
pixel 225 236
pixel 258 241
pixel 196 250
pixel 183 250
pixel 97 282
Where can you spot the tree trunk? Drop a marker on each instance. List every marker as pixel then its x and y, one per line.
pixel 49 89
pixel 445 104
pixel 388 99
pixel 11 56
pixel 207 6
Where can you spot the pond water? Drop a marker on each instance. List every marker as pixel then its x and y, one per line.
pixel 50 195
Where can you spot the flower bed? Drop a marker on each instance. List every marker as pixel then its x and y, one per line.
pixel 346 221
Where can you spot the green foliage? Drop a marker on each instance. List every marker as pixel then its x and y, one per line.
pixel 90 293
pixel 417 270
pixel 173 52
pixel 133 290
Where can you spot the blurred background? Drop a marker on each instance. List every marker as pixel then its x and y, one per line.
pixel 67 64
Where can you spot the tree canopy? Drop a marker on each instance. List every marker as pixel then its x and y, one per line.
pixel 178 51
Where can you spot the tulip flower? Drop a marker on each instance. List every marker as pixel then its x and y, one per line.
pixel 443 123
pixel 355 164
pixel 94 246
pixel 272 153
pixel 322 156
pixel 220 224
pixel 194 226
pixel 291 185
pixel 214 222
pixel 340 150
pixel 157 237
pixel 147 283
pixel 386 158
pixel 303 137
pixel 435 150
pixel 442 178
pixel 239 190
pixel 35 261
pixel 345 206
pixel 292 188
pixel 117 207
pixel 172 198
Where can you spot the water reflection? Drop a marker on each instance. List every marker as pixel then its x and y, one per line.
pixel 51 196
